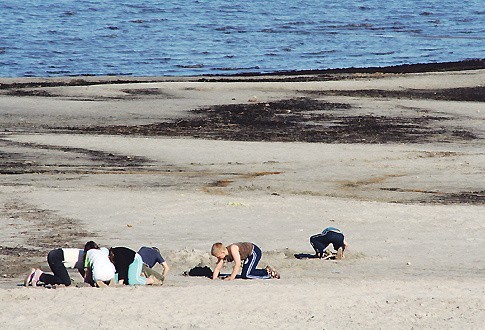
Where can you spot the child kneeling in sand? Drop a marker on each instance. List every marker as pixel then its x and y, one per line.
pixel 59 260
pixel 150 257
pixel 237 252
pixel 329 235
pixel 129 264
pixel 99 271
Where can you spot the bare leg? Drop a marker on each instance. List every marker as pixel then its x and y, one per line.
pixel 150 271
pixel 101 284
pixel 152 280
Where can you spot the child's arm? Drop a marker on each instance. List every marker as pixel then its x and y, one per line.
pixel 88 272
pixel 165 268
pixel 234 251
pixel 88 276
pixel 218 268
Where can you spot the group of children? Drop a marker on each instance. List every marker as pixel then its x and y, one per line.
pixel 246 255
pixel 123 266
pixel 101 267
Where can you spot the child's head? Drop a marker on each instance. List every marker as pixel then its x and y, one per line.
pixel 218 250
pixel 111 254
pixel 90 245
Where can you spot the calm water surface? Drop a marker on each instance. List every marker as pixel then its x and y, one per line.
pixel 153 38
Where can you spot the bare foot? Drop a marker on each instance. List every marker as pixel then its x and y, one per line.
pixel 36 277
pixel 340 253
pixel 101 284
pixel 272 272
pixel 152 280
pixel 29 277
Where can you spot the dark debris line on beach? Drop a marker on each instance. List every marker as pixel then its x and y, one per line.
pixel 348 73
pixel 293 120
pixel 465 197
pixel 445 198
pixel 473 94
pixel 17 163
pixel 289 76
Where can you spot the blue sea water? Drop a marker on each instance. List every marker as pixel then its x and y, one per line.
pixel 193 37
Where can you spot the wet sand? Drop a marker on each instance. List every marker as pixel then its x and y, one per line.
pixel 394 159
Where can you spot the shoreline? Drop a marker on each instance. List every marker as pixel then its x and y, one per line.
pixel 283 76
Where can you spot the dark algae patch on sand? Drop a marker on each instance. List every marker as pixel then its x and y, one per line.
pixel 473 94
pixel 95 160
pixel 464 197
pixel 36 231
pixel 445 198
pixel 294 120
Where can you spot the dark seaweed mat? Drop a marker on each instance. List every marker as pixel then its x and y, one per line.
pixel 465 197
pixel 474 94
pixel 293 120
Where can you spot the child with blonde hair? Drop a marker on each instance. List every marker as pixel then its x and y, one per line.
pixel 243 254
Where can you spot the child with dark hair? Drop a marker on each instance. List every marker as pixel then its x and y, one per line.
pixel 129 265
pixel 59 261
pixel 100 271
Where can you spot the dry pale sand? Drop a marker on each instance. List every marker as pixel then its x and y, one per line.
pixel 413 213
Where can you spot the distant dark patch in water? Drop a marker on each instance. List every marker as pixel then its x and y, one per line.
pixel 191 66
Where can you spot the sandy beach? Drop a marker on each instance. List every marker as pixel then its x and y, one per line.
pixel 395 160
